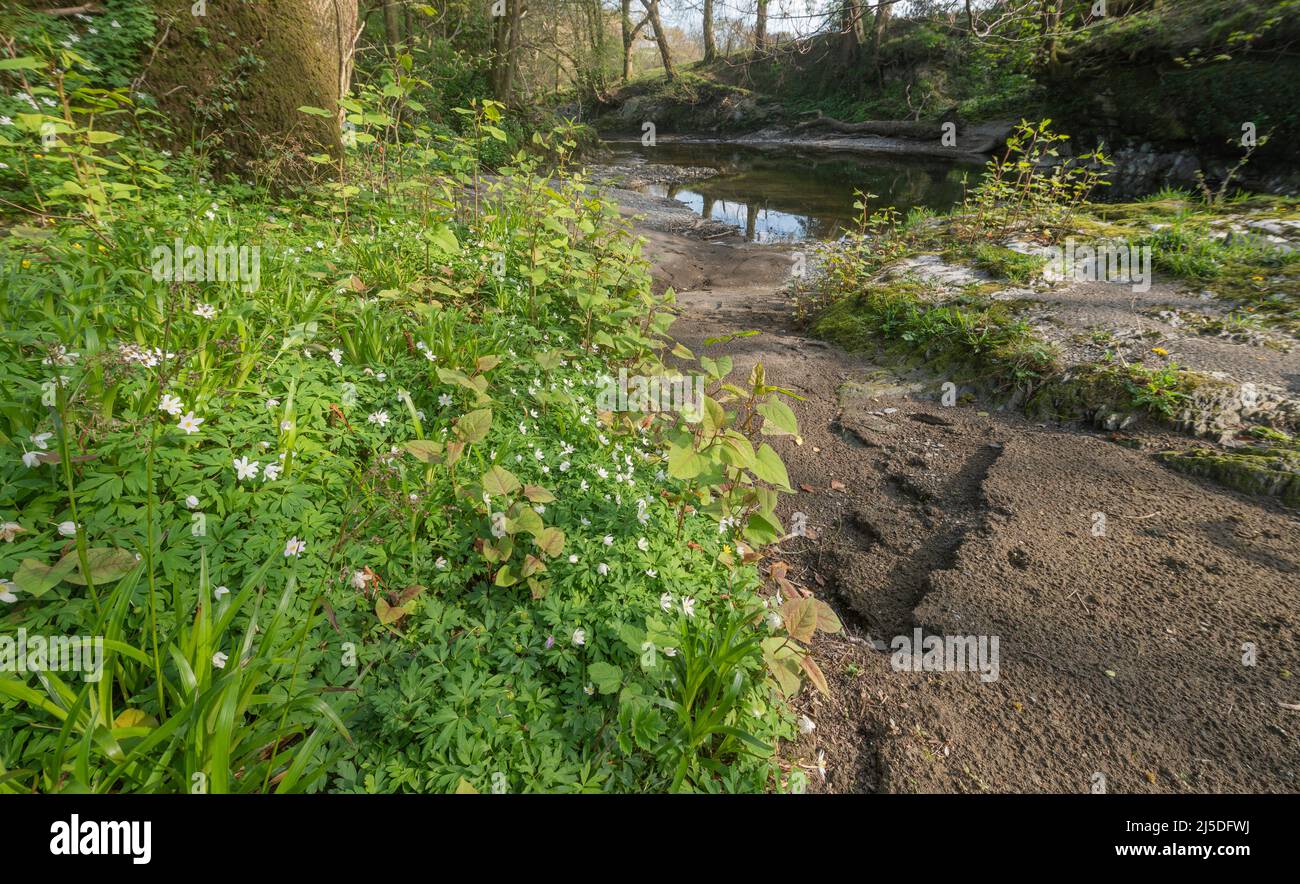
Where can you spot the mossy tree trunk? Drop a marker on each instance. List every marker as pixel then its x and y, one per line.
pixel 238 74
pixel 629 35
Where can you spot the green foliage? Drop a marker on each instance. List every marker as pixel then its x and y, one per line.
pixel 1032 185
pixel 1158 390
pixel 397 410
pixel 1007 264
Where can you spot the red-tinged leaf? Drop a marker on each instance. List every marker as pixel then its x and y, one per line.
pixel 409 593
pixel 551 541
pixel 800 617
pixel 387 614
pixel 827 621
pixel 809 665
pixel 538 494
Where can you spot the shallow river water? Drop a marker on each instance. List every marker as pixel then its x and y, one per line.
pixel 791 195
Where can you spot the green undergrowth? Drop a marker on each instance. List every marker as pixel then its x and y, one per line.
pixel 349 511
pixel 1006 264
pixel 1195 244
pixel 971 339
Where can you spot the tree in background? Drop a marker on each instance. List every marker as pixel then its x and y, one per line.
pixel 710 46
pixel 660 35
pixel 630 32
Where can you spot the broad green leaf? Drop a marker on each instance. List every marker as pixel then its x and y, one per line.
pixel 778 419
pixel 827 621
pixel 605 676
pixel 500 482
pixel 424 450
pixel 684 462
pixel 473 427
pixel 106 565
pixel 769 467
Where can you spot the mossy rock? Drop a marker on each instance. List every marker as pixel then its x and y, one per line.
pixel 1264 470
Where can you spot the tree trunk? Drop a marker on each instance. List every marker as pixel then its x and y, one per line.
pixel 661 38
pixel 505 48
pixel 850 44
pixel 891 128
pixel 1050 14
pixel 392 23
pixel 710 47
pixel 878 35
pixel 629 36
pixel 512 49
pixel 304 51
pixel 760 25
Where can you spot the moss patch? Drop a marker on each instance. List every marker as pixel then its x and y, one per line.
pixel 1272 470
pixel 968 339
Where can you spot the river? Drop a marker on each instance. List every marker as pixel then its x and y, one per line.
pixel 790 195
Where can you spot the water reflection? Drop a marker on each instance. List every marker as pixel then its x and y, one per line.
pixel 759 222
pixel 789 195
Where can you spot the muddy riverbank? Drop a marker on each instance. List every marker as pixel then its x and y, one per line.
pixel 1151 650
